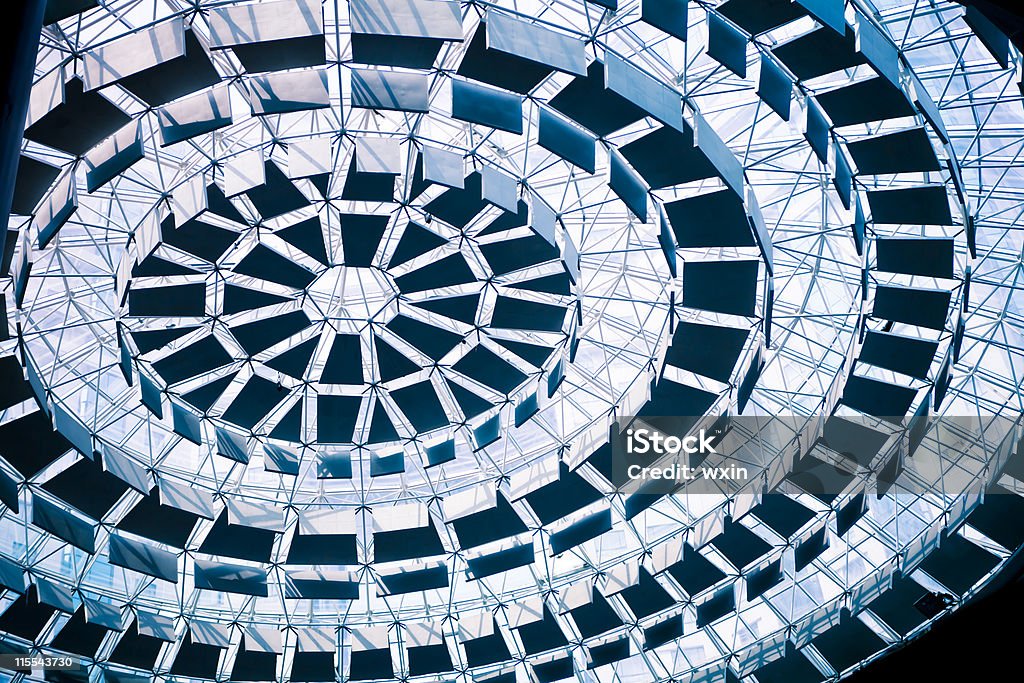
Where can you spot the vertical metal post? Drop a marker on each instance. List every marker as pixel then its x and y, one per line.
pixel 19 44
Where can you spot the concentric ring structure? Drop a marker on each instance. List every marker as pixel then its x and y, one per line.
pixel 320 314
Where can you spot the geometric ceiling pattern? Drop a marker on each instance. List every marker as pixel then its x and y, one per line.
pixel 319 314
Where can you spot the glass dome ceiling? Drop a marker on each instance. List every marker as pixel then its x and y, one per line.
pixel 321 312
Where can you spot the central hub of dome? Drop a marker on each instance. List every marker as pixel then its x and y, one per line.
pixel 353 295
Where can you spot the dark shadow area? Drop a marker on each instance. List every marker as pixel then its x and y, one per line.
pixel 979 637
pixel 1007 15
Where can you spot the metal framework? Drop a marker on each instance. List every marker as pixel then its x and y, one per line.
pixel 320 314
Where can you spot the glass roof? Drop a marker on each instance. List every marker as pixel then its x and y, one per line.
pixel 322 312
